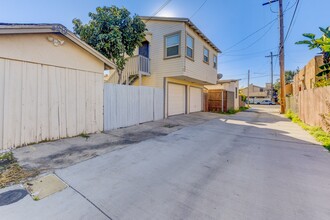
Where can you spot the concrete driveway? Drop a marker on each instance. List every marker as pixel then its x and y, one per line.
pixel 253 165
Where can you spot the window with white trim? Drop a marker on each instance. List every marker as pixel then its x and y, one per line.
pixel 215 61
pixel 206 54
pixel 172 45
pixel 190 47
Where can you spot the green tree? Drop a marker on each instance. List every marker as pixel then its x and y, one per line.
pixel 289 75
pixel 322 43
pixel 277 85
pixel 113 32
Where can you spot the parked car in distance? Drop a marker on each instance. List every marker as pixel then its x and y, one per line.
pixel 266 102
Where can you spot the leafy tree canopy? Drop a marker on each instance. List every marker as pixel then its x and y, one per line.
pixel 289 75
pixel 322 43
pixel 113 32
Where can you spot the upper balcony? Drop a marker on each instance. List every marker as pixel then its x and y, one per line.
pixel 135 66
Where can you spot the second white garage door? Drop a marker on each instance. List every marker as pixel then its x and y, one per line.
pixel 176 99
pixel 195 99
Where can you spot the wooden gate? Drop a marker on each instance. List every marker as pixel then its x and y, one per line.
pixel 216 100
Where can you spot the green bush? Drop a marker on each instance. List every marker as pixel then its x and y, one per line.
pixel 243 108
pixel 231 111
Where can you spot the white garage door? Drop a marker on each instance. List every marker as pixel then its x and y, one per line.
pixel 195 99
pixel 176 99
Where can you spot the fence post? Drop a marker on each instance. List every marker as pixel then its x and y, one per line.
pixel 222 101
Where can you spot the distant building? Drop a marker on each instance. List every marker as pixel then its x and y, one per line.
pixel 257 93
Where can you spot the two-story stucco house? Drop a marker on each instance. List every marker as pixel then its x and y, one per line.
pixel 177 57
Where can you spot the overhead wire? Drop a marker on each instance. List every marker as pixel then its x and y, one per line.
pixel 292 19
pixel 270 23
pixel 256 41
pixel 159 9
pixel 289 29
pixel 200 7
pixel 289 8
pixel 250 35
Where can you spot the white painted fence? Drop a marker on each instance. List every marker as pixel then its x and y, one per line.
pixel 41 102
pixel 130 105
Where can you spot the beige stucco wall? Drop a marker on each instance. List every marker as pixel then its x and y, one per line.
pixel 36 48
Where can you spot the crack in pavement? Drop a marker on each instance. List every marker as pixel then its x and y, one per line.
pixel 82 195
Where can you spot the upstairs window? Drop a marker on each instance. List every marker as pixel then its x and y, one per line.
pixel 172 45
pixel 215 61
pixel 189 47
pixel 206 55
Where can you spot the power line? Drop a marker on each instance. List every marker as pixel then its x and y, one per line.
pixel 256 77
pixel 250 35
pixel 290 26
pixel 248 54
pixel 162 7
pixel 198 9
pixel 256 41
pixel 287 9
pixel 270 23
pixel 159 9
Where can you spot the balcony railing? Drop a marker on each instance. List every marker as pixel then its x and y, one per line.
pixel 135 65
pixel 144 65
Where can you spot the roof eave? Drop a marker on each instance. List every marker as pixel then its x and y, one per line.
pixel 187 21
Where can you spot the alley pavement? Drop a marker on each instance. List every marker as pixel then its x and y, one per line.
pixel 252 165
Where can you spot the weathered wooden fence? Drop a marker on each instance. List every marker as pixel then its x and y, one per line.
pixel 311 106
pixel 130 105
pixel 43 102
pixel 218 100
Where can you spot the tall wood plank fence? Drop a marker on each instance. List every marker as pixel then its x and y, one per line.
pixel 131 105
pixel 218 100
pixel 44 102
pixel 312 106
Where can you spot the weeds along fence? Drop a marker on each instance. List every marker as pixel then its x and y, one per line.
pixel 131 105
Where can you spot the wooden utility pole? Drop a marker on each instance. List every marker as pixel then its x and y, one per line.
pixel 248 89
pixel 272 74
pixel 281 53
pixel 282 70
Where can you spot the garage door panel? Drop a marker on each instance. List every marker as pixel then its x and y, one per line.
pixel 195 99
pixel 176 99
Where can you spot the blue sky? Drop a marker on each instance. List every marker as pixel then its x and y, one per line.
pixel 225 22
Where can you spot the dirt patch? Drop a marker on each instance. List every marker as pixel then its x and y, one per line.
pixel 170 125
pixel 11 172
